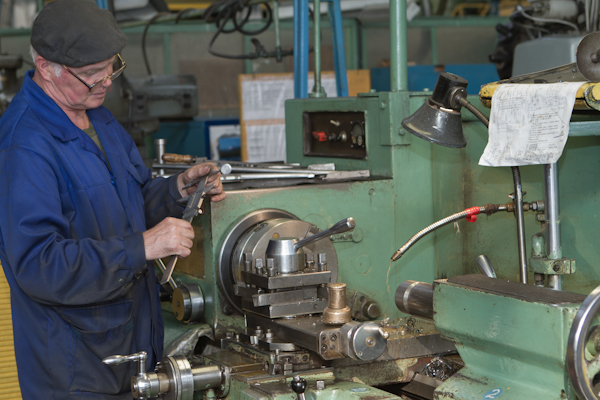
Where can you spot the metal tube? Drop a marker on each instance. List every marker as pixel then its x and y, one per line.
pixel 520 224
pixel 415 298
pixel 552 214
pixel 553 247
pixel 398 55
pixel 317 89
pixel 159 146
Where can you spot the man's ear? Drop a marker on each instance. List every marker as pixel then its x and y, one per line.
pixel 45 68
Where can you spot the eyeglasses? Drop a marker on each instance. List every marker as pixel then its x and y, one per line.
pixel 99 83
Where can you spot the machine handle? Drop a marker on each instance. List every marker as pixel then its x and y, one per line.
pixel 298 385
pixel 343 226
pixel 140 358
pixel 485 266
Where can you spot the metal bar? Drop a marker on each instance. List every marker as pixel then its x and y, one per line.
pixel 339 49
pixel 317 88
pixel 520 224
pixel 398 44
pixel 245 177
pixel 552 211
pixel 277 171
pixel 300 49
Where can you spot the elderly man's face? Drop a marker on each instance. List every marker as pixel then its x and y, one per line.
pixel 75 94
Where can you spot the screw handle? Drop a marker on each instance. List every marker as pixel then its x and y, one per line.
pixel 140 358
pixel 298 385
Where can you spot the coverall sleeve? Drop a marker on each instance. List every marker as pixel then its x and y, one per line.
pixel 47 264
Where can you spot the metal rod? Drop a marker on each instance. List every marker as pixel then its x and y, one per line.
pixel 289 171
pixel 553 246
pixel 317 88
pixel 243 177
pixel 552 211
pixel 159 146
pixel 339 227
pixel 520 224
pixel 398 55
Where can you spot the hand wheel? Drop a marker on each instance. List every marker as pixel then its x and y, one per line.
pixel 583 349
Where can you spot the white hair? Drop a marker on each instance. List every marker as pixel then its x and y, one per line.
pixel 57 67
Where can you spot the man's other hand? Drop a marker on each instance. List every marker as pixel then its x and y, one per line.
pixel 198 171
pixel 172 236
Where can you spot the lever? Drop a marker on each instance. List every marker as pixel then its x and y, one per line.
pixel 485 266
pixel 140 358
pixel 299 386
pixel 343 226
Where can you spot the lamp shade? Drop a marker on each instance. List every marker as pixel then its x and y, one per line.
pixel 437 125
pixel 438 120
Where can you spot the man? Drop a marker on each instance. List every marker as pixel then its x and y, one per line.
pixel 80 215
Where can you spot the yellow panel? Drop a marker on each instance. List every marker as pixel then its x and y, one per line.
pixel 9 386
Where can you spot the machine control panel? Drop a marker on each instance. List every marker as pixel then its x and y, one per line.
pixel 334 134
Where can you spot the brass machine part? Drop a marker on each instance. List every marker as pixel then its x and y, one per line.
pixel 337 312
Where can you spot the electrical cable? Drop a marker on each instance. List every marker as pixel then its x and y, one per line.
pixel 224 11
pixel 549 20
pixel 150 22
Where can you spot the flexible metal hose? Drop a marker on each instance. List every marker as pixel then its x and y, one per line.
pixel 429 229
pixel 466 104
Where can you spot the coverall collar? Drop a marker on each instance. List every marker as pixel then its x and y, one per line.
pixel 59 126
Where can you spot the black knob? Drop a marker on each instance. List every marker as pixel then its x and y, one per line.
pixel 298 384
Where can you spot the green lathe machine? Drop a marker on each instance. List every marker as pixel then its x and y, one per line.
pixel 306 287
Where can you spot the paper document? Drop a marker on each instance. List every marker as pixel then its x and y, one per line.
pixel 529 124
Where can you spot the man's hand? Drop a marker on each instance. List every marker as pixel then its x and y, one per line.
pixel 172 236
pixel 198 171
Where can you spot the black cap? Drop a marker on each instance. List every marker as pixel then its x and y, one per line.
pixel 76 33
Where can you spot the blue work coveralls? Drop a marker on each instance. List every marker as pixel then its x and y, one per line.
pixel 72 249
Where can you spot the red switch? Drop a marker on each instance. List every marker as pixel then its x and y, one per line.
pixel 320 136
